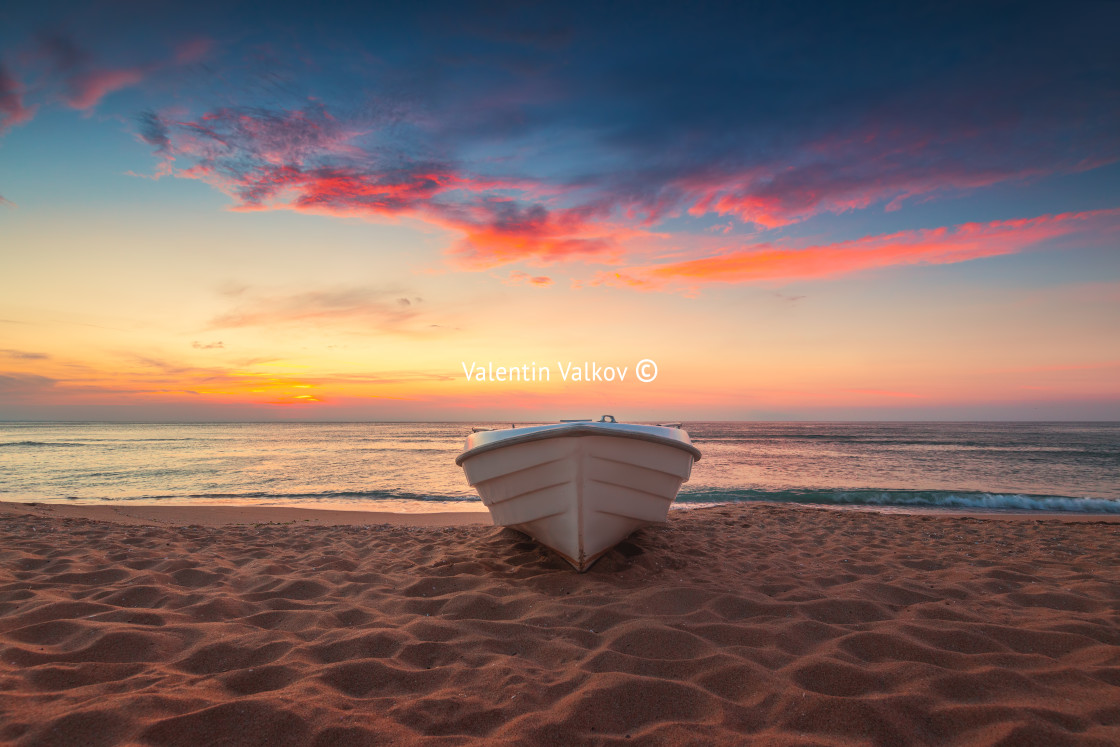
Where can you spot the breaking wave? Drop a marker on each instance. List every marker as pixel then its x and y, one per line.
pixel 958 499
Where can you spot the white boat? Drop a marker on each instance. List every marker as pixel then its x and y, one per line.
pixel 579 487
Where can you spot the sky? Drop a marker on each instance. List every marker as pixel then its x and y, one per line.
pixel 374 211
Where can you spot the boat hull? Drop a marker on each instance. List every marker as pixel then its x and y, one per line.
pixel 579 495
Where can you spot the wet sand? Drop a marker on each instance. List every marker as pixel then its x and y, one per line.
pixel 785 625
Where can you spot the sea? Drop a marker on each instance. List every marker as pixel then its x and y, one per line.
pixel 410 467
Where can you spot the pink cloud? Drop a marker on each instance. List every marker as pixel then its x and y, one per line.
pixel 523 278
pixel 296 159
pixel 84 81
pixel 87 89
pixel 871 166
pixel 12 109
pixel 193 50
pixel 307 160
pixel 766 262
pixel 500 232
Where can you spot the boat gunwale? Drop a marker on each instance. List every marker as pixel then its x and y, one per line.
pixel 567 430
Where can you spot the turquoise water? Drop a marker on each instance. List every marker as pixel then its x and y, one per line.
pixel 410 466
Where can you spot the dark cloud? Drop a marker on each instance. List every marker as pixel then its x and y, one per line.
pixel 153 131
pixel 24 355
pixel 84 80
pixel 65 55
pixel 20 383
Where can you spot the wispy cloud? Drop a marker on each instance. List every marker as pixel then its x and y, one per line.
pixel 302 158
pixel 193 50
pixel 65 71
pixel 143 377
pixel 754 263
pixel 371 307
pixel 23 383
pixel 85 82
pixel 24 355
pixel 500 232
pixel 13 111
pixel 517 277
pixel 886 393
pixel 883 165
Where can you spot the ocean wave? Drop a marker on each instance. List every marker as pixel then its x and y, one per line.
pixel 313 497
pixel 934 499
pixel 911 498
pixel 890 443
pixel 14 444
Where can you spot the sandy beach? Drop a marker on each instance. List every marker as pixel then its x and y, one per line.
pixel 189 626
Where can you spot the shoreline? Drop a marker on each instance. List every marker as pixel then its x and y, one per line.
pixel 216 516
pixel 213 515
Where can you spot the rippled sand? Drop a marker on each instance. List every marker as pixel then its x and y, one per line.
pixel 789 625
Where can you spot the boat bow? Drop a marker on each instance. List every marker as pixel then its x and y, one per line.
pixel 579 487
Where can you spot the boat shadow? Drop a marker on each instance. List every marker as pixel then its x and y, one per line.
pixel 520 550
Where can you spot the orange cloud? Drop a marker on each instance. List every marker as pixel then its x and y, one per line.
pixel 134 380
pixel 486 246
pixel 886 393
pixel 517 277
pixel 945 245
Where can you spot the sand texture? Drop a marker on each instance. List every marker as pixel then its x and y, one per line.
pixel 783 625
